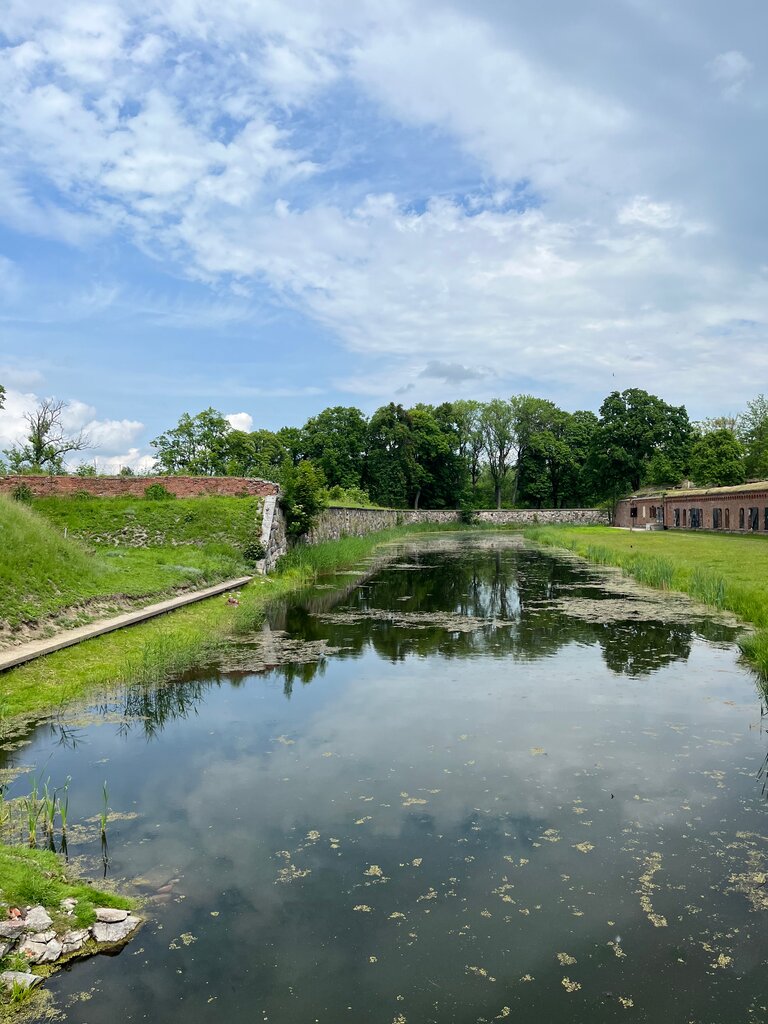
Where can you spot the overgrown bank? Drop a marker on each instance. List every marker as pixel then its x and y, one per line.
pixel 66 561
pixel 178 642
pixel 725 571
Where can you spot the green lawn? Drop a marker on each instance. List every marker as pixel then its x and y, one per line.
pixel 725 570
pixel 65 560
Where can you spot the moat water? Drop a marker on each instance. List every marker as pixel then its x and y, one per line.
pixel 487 783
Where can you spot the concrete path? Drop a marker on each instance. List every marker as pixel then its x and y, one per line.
pixel 26 652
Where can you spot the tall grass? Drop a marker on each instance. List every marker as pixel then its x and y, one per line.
pixel 723 571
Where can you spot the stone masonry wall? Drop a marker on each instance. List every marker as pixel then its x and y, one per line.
pixel 334 523
pixel 134 486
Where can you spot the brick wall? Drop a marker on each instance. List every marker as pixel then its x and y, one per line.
pixel 134 486
pixel 703 506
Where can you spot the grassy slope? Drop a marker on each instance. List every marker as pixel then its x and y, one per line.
pixel 163 647
pixel 190 543
pixel 725 570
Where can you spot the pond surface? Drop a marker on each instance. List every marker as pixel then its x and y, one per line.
pixel 489 782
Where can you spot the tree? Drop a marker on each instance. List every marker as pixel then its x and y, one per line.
pixel 635 426
pixel 47 442
pixel 717 460
pixel 467 417
pixel 303 497
pixel 752 431
pixel 2 396
pixel 390 464
pixel 197 445
pixel 336 440
pixel 497 422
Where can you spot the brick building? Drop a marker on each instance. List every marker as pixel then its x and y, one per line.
pixel 741 509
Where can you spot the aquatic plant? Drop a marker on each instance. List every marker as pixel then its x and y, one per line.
pixel 104 814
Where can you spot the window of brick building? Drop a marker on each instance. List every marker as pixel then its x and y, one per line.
pixel 765 520
pixel 676 517
pixel 717 517
pixel 754 519
pixel 741 518
pixel 684 518
pixel 727 519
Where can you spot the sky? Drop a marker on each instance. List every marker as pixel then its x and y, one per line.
pixel 271 207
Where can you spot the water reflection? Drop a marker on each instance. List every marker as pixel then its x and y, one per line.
pixel 542 817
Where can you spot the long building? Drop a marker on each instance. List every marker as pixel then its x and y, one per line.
pixel 741 509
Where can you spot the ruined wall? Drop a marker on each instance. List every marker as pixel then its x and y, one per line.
pixel 334 523
pixel 134 486
pixel 274 538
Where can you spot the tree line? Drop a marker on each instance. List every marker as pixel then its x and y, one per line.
pixel 522 451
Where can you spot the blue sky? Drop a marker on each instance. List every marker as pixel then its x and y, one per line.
pixel 271 208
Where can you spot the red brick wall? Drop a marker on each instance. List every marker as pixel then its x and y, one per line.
pixel 622 517
pixel 731 503
pixel 134 486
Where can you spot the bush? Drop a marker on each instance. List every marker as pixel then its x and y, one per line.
pixel 467 514
pixel 157 492
pixel 22 492
pixel 253 552
pixel 303 497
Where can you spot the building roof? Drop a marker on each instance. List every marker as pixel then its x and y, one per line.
pixel 692 492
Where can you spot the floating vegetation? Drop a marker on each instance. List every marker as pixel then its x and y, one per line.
pixel 570 986
pixel 647 886
pixel 565 959
pixel 271 648
pixel 479 972
pixel 583 847
pixel 362 908
pixel 449 621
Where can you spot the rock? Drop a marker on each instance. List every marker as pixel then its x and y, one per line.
pixel 11 929
pixel 114 932
pixel 68 905
pixel 37 919
pixel 22 978
pixel 5 947
pixel 74 940
pixel 110 915
pixel 41 948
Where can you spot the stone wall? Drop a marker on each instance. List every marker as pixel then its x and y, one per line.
pixel 274 538
pixel 134 486
pixel 334 523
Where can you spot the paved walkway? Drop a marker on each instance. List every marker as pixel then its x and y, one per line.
pixel 13 656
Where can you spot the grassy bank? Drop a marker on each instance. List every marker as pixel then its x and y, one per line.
pixel 174 643
pixel 64 561
pixel 728 571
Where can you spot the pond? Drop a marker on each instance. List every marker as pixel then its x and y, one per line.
pixel 486 782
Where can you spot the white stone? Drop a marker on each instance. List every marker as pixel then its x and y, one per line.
pixel 11 929
pixel 41 948
pixel 110 915
pixel 11 978
pixel 72 941
pixel 113 932
pixel 37 920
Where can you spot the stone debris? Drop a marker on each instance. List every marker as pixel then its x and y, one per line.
pixel 110 915
pixel 37 920
pixel 114 931
pixel 20 978
pixel 74 940
pixel 34 937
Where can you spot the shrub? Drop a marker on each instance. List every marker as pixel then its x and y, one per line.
pixel 157 492
pixel 22 492
pixel 303 497
pixel 467 514
pixel 253 552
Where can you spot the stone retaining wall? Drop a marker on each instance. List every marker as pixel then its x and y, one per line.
pixel 134 486
pixel 334 523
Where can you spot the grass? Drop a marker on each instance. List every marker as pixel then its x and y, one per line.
pixel 32 877
pixel 727 571
pixel 64 554
pixel 178 642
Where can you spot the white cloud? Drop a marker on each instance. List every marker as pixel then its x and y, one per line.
pixel 730 71
pixel 140 462
pixel 240 420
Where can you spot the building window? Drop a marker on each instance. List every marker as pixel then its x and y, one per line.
pixel 754 519
pixel 727 519
pixel 717 516
pixel 684 519
pixel 765 521
pixel 741 518
pixel 660 513
pixel 644 515
pixel 676 519
pixel 653 511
